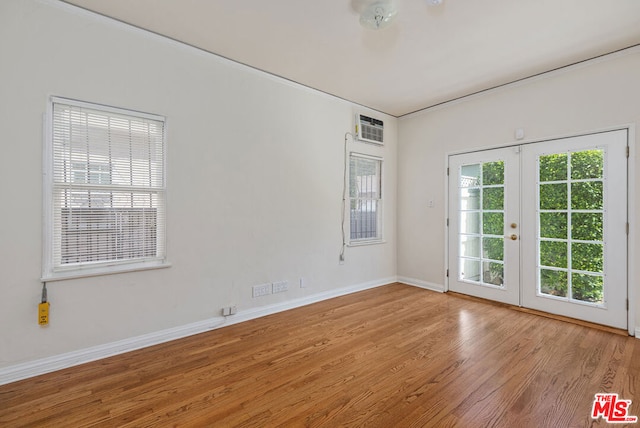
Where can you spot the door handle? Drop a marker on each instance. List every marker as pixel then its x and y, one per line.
pixel 513 237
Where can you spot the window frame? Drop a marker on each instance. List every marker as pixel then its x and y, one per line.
pixel 379 238
pixel 52 270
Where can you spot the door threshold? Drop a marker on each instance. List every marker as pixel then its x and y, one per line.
pixel 618 331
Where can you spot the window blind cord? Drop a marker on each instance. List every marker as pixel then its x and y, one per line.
pixel 344 195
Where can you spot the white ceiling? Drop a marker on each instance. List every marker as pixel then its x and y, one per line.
pixel 428 55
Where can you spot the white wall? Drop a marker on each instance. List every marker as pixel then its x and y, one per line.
pixel 592 96
pixel 255 175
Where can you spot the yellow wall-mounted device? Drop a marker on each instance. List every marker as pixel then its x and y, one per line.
pixel 43 307
pixel 43 313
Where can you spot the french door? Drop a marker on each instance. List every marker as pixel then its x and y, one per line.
pixel 484 215
pixel 544 226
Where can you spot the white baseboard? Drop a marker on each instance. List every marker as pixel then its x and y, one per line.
pixel 637 335
pixel 58 362
pixel 303 301
pixel 422 284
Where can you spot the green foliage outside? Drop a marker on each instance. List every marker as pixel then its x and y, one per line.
pixel 558 175
pixel 493 222
pixel 558 246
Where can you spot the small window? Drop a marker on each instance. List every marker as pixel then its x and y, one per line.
pixel 365 191
pixel 105 198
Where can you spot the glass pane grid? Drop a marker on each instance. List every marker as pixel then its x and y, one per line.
pixel 365 198
pixel 571 226
pixel 481 213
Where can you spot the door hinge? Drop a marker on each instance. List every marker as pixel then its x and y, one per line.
pixel 628 151
pixel 627 228
pixel 447 273
pixel 627 304
pixel 447 222
pixel 447 170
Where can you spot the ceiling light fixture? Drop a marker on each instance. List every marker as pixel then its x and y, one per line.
pixel 378 15
pixel 434 2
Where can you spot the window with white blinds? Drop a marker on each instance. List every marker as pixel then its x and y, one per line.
pixel 365 191
pixel 106 199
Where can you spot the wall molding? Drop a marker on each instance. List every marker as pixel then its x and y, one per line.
pixel 62 361
pixel 421 284
pixel 125 26
pixel 629 50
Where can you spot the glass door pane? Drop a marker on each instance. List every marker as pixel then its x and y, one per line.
pixel 570 225
pixel 482 223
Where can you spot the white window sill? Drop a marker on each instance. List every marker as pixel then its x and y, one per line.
pixel 366 242
pixel 86 271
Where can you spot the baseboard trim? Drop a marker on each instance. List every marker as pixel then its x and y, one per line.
pixel 62 361
pixel 421 284
pixel 303 301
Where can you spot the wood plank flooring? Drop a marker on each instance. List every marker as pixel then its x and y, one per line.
pixel 394 356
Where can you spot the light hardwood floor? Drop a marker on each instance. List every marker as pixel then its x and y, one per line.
pixel 394 356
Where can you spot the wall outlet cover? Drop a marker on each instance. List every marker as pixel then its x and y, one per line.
pixel 280 286
pixel 261 290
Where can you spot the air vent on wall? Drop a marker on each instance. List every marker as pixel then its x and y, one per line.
pixel 369 129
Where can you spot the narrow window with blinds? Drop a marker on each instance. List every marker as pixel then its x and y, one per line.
pixel 106 190
pixel 365 191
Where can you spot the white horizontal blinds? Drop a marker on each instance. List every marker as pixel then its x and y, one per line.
pixel 108 186
pixel 365 180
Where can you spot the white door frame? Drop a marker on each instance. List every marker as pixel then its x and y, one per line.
pixel 632 329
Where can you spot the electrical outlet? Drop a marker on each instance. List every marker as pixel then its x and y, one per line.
pixel 281 286
pixel 229 310
pixel 261 290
